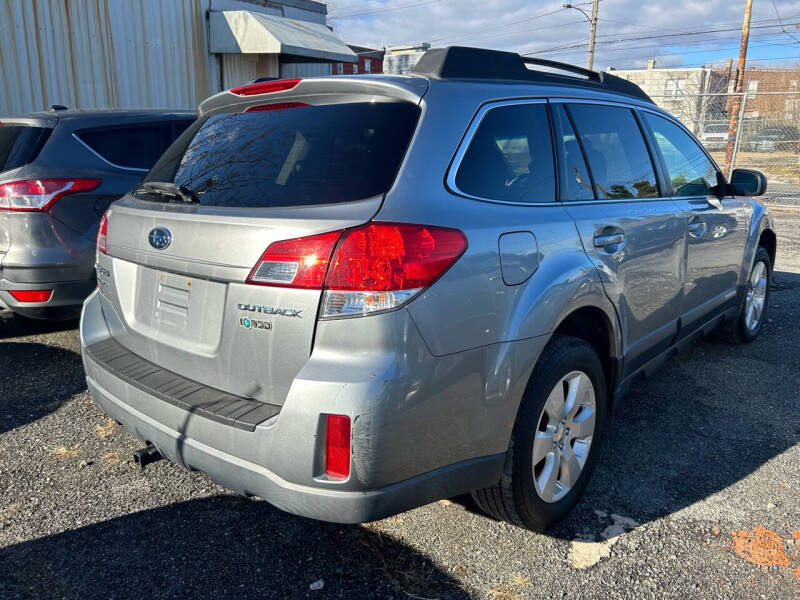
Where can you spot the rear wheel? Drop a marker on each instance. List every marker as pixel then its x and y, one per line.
pixel 746 327
pixel 555 438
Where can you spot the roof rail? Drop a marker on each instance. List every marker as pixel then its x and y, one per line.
pixel 461 62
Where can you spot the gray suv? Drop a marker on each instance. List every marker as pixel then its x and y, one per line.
pixel 59 171
pixel 352 296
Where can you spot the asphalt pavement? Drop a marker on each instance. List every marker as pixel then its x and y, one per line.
pixel 696 495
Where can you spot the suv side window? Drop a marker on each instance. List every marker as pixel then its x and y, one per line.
pixel 510 157
pixel 618 157
pixel 573 176
pixel 133 146
pixel 690 171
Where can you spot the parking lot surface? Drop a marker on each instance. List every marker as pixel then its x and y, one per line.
pixel 696 495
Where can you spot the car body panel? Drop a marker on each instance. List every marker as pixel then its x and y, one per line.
pixel 55 249
pixel 433 387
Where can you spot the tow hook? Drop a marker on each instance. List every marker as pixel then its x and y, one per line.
pixel 145 456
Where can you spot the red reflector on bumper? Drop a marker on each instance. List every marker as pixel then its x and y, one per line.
pixel 337 447
pixel 31 295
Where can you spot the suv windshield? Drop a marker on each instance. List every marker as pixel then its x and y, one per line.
pixel 19 145
pixel 290 156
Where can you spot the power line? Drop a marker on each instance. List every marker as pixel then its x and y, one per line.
pixel 777 14
pixel 382 10
pixel 719 42
pixel 494 27
pixel 580 44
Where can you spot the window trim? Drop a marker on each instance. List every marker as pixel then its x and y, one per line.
pixel 669 117
pixel 655 160
pixel 466 140
pixel 636 107
pixel 75 134
pixel 103 158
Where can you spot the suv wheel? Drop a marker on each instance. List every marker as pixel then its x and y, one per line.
pixel 746 327
pixel 555 439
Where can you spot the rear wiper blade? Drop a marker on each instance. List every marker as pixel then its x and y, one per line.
pixel 170 190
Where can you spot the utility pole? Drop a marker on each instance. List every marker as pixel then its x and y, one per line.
pixel 734 129
pixel 590 61
pixel 593 22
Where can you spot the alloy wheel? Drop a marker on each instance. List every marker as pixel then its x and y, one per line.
pixel 756 296
pixel 564 436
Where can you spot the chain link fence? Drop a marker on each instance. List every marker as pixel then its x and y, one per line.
pixel 765 134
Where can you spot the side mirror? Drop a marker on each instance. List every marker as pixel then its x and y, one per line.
pixel 748 182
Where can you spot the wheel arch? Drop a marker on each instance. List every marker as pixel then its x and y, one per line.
pixel 769 241
pixel 598 327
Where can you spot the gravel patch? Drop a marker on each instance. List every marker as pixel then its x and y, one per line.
pixel 696 495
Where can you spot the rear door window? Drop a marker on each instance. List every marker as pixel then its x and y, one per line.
pixel 619 161
pixel 291 155
pixel 573 176
pixel 689 169
pixel 20 144
pixel 133 146
pixel 510 156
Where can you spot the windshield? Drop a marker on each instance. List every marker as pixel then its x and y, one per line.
pixel 292 156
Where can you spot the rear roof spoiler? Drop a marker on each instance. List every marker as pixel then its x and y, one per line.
pixel 460 62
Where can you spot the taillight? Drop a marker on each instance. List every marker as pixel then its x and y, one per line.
pixel 31 295
pixel 298 263
pixel 102 235
pixel 337 446
pixel 40 194
pixel 380 266
pixel 375 267
pixel 265 87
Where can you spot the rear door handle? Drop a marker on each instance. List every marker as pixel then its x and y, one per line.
pixel 611 239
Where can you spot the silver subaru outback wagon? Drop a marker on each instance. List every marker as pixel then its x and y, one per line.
pixel 352 296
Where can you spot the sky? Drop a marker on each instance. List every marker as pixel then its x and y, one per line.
pixel 629 32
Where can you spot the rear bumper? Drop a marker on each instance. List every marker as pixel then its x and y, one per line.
pixel 65 302
pixel 409 448
pixel 251 479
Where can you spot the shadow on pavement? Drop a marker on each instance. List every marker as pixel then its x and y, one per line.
pixel 705 421
pixel 219 547
pixel 35 379
pixel 12 325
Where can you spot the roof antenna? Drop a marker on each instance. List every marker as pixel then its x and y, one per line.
pixel 57 107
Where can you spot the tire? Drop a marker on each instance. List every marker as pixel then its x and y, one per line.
pixel 522 497
pixel 741 329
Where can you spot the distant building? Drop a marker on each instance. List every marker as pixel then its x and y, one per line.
pixel 695 95
pixel 767 96
pixel 164 54
pixel 369 61
pixel 399 60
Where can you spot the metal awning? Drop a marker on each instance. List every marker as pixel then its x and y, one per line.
pixel 247 32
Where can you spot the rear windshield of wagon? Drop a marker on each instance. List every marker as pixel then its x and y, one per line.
pixel 291 155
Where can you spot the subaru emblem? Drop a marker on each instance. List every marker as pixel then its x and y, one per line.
pixel 160 238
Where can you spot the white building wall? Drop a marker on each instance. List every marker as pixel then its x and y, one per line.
pixel 120 53
pixel 96 54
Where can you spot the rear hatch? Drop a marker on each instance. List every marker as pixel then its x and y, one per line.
pixel 21 140
pixel 175 276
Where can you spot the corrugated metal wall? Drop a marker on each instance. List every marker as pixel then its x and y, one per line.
pixel 104 54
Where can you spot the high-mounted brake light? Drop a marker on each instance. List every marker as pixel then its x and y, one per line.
pixel 375 267
pixel 31 295
pixel 265 87
pixel 276 106
pixel 337 446
pixel 38 195
pixel 102 235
